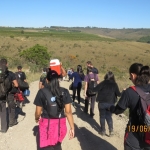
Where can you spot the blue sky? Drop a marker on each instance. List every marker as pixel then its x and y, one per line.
pixel 75 13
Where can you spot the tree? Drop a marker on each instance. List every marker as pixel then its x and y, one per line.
pixel 37 54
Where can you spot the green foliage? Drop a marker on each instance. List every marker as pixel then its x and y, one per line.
pixel 37 55
pixel 11 36
pixel 22 31
pixel 145 39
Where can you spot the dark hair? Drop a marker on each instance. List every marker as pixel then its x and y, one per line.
pixel 109 76
pixel 142 72
pixel 79 69
pixel 3 61
pixel 135 68
pixel 89 62
pixel 54 87
pixel 89 69
pixel 19 67
pixel 45 69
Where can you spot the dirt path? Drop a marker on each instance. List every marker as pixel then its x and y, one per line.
pixel 21 136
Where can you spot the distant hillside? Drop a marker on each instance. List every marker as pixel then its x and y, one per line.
pixel 124 34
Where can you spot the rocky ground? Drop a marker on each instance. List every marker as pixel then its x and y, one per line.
pixel 23 135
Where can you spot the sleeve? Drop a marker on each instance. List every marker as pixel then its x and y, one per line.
pixel 38 99
pixel 67 98
pixel 24 75
pixel 117 92
pixel 116 109
pixel 13 76
pixel 72 75
pixel 97 88
pixel 124 100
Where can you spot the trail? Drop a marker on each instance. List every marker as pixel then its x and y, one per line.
pixel 22 136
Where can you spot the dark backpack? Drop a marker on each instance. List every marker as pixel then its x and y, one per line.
pixel 53 107
pixel 5 83
pixel 95 70
pixel 143 113
pixel 91 84
pixel 21 84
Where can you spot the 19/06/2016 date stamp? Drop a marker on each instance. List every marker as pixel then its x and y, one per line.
pixel 138 128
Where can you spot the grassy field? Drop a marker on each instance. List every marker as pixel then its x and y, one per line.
pixel 74 48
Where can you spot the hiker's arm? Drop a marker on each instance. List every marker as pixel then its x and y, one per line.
pixel 117 91
pixel 38 112
pixel 15 83
pixel 97 88
pixel 122 104
pixel 63 71
pixel 68 113
pixel 40 85
pixel 116 109
pixel 85 88
pixel 97 79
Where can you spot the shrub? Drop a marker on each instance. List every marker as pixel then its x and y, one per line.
pixel 37 55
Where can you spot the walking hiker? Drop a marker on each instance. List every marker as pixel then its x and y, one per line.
pixel 91 80
pixel 135 134
pixel 8 87
pixel 43 77
pixel 94 70
pixel 77 77
pixel 53 103
pixel 107 96
pixel 21 74
pixel 69 73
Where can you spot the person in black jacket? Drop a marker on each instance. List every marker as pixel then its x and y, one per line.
pixel 140 77
pixel 107 95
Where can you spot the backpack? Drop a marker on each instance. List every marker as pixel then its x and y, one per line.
pixel 52 105
pixel 5 83
pixel 143 113
pixel 21 84
pixel 95 70
pixel 91 84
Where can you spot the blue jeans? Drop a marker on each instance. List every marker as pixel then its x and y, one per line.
pixel 105 114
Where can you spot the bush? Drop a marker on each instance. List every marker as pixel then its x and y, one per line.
pixel 37 55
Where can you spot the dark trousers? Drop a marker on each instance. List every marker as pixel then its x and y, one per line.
pixel 55 147
pixel 11 109
pixel 78 89
pixel 3 116
pixel 92 106
pixel 105 114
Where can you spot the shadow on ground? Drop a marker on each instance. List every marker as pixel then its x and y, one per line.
pixel 86 117
pixel 89 141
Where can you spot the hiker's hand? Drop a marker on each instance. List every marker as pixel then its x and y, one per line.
pixel 71 134
pixel 85 95
pixel 37 120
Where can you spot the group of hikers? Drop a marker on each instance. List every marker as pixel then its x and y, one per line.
pixel 53 104
pixel 11 94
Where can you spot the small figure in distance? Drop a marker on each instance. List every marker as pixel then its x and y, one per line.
pixel 43 77
pixel 21 74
